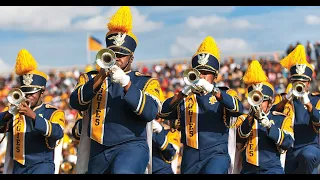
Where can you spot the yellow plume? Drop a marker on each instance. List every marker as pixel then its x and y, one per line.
pixel 297 56
pixel 289 87
pixel 121 21
pixel 254 74
pixel 209 46
pixel 25 62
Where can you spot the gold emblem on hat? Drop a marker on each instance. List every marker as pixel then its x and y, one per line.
pixel 118 39
pixel 27 79
pixel 212 100
pixel 203 58
pixel 301 68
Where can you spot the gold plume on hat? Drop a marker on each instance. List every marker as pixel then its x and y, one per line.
pixel 26 64
pixel 121 21
pixel 209 46
pixel 297 56
pixel 254 74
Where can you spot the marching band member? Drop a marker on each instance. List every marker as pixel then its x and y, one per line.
pixel 204 117
pixel 304 107
pixel 263 134
pixel 163 152
pixel 118 103
pixel 34 127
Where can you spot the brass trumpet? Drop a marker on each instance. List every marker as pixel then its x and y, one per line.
pixel 190 76
pixel 16 96
pixel 106 58
pixel 255 98
pixel 298 89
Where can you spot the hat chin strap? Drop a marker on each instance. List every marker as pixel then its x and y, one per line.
pixel 37 99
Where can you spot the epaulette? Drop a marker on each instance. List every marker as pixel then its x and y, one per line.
pixel 140 74
pixel 224 88
pixel 48 106
pixel 315 94
pixel 278 113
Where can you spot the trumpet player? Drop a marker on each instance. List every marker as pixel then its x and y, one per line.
pixel 204 112
pixel 35 129
pixel 119 103
pixel 163 151
pixel 262 135
pixel 304 107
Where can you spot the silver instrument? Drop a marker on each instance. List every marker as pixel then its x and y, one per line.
pixel 106 58
pixel 298 89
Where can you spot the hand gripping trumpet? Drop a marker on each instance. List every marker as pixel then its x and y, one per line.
pixel 255 98
pixel 15 98
pixel 298 89
pixel 190 76
pixel 106 58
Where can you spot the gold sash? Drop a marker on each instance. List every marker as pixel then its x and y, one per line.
pixel 98 113
pixel 19 130
pixel 252 150
pixel 191 121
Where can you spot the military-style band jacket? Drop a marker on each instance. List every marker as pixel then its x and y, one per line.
pixel 34 140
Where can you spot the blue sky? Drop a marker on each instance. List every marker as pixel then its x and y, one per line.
pixel 56 36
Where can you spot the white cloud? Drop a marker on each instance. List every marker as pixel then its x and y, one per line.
pixel 204 22
pixel 312 20
pixel 218 22
pixel 5 68
pixel 187 46
pixel 59 18
pixel 42 18
pixel 188 9
pixel 99 22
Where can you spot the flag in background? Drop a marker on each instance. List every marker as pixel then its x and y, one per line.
pixel 94 44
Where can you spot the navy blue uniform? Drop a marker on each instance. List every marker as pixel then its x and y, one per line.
pixel 163 153
pixel 262 147
pixel 204 130
pixel 33 141
pixel 117 126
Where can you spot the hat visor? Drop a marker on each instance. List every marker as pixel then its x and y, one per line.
pixel 205 68
pixel 119 50
pixel 30 90
pixel 300 78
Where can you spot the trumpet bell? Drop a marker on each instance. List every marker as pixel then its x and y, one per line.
pixel 190 76
pixel 106 58
pixel 255 98
pixel 16 96
pixel 298 89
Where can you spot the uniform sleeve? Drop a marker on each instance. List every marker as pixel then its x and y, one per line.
pixel 145 102
pixel 161 140
pixel 168 113
pixel 2 114
pixel 82 93
pixel 52 128
pixel 243 129
pixel 232 102
pixel 315 114
pixel 76 130
pixel 4 124
pixel 282 134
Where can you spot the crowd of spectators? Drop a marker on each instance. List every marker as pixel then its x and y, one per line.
pixel 60 85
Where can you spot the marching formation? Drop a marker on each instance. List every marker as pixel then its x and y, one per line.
pixel 121 113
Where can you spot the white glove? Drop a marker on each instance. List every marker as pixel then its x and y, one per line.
pixel 186 90
pixel 156 127
pixel 256 111
pixel 305 98
pixel 205 85
pixel 289 95
pixel 118 76
pixel 13 109
pixel 265 122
